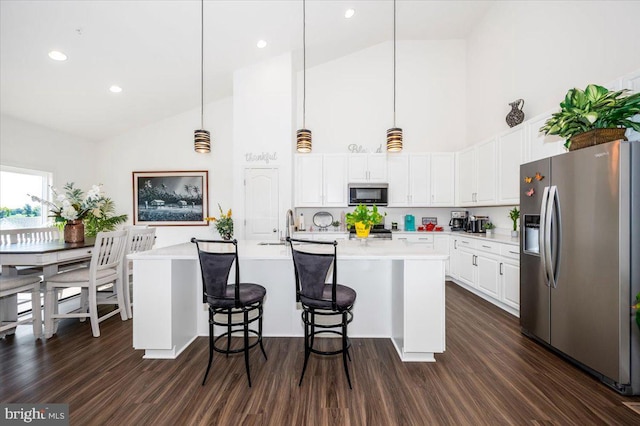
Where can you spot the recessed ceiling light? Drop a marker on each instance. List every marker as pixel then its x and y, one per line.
pixel 57 56
pixel 115 89
pixel 349 13
pixel 261 44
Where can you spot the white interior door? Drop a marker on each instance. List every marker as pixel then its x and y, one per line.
pixel 261 203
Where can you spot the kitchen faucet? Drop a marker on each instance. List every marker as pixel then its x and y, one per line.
pixel 288 223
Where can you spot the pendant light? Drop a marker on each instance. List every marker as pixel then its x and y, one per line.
pixel 303 136
pixel 202 138
pixel 394 134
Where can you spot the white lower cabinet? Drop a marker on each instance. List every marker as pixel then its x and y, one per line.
pixel 488 272
pixel 510 277
pixel 487 268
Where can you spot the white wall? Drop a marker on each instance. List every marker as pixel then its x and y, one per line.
pixel 350 99
pixel 537 50
pixel 168 146
pixel 263 97
pixel 28 145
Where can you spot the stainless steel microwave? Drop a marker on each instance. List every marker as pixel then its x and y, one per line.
pixel 368 194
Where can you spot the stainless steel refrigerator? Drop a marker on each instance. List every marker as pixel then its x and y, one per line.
pixel 580 258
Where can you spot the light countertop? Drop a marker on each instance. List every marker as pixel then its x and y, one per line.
pixel 347 250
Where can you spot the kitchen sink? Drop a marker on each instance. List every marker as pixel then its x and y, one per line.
pixel 272 243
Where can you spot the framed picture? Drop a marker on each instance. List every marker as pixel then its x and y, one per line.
pixel 170 198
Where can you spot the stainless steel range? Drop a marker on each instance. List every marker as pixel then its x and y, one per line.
pixel 377 231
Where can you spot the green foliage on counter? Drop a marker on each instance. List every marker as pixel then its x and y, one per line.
pixel 514 215
pixel 365 215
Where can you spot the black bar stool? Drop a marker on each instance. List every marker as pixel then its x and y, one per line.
pixel 312 262
pixel 227 300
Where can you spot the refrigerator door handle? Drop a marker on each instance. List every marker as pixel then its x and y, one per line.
pixel 542 233
pixel 547 235
pixel 557 223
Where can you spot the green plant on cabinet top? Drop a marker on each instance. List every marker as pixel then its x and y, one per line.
pixel 596 107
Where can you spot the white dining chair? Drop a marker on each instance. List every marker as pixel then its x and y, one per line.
pixel 139 239
pixel 105 268
pixel 10 287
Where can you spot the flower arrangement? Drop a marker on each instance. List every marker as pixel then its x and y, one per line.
pixel 94 208
pixel 224 224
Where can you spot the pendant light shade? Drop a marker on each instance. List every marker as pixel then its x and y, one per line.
pixel 201 137
pixel 303 136
pixel 394 139
pixel 394 134
pixel 303 140
pixel 202 141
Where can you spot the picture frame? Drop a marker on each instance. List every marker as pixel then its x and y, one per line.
pixel 170 198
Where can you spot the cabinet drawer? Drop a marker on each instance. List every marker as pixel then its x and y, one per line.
pixel 488 246
pixel 512 252
pixel 467 243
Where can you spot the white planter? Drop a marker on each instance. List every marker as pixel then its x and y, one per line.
pixel 514 234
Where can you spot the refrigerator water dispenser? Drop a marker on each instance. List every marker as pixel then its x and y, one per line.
pixel 531 241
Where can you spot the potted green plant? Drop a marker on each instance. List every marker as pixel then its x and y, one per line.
pixel 362 218
pixel 514 215
pixel 488 228
pixel 593 115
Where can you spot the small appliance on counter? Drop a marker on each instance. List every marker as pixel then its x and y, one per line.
pixel 409 222
pixel 459 220
pixel 475 224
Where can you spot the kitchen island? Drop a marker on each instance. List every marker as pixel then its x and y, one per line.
pixel 400 290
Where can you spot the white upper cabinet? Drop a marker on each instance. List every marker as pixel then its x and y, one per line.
pixel 476 171
pixel 420 179
pixel 320 180
pixel 398 170
pixel 466 177
pixel 510 151
pixel 308 181
pixel 538 145
pixel 367 168
pixel 486 173
pixel 443 179
pixel 409 179
pixel 334 178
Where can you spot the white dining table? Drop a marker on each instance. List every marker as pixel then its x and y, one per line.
pixel 48 255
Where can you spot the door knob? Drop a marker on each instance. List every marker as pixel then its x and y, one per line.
pixel 275 230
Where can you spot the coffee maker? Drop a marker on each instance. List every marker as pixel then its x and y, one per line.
pixel 459 220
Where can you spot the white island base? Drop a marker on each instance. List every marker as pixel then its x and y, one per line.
pixel 399 285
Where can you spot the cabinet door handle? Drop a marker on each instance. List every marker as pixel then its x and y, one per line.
pixel 486 246
pixel 455 244
pixel 464 242
pixel 501 268
pixel 513 252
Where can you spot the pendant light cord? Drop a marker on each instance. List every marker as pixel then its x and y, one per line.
pixel 202 64
pixel 304 63
pixel 394 63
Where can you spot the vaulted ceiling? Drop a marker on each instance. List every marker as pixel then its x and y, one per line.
pixel 152 50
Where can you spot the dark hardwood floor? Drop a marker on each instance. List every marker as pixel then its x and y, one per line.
pixel 490 374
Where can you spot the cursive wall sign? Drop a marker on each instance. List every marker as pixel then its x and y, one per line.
pixel 358 149
pixel 263 156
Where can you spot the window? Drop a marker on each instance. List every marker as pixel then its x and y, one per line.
pixel 16 208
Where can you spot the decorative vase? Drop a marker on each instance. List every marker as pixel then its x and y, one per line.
pixel 516 115
pixel 362 230
pixel 596 137
pixel 514 234
pixel 226 236
pixel 74 231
